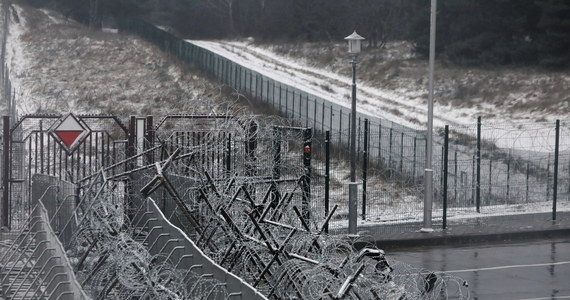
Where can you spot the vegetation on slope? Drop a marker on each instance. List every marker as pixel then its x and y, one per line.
pixel 486 32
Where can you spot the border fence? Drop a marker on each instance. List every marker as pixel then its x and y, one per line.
pixel 486 169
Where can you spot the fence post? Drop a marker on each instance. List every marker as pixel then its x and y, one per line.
pixel 331 119
pixel 314 113
pixel 478 183
pixel 390 152
pixel 293 106
pixel 276 171
pixel 260 88
pixel 280 91
pixel 306 182
pixel 340 130
pixel 380 142
pixel 555 184
pixel 239 85
pixel 6 139
pixel 327 174
pixel 322 117
pixel 250 83
pixel 365 166
pixel 527 177
pixel 131 144
pixel 455 177
pixel 306 110
pixel 149 139
pixel 509 176
pixel 414 159
pixel 257 88
pixel 473 179
pixel 300 107
pixel 229 156
pixel 235 81
pixel 250 148
pixel 548 176
pixel 445 173
pixel 488 200
pixel 41 133
pixel 402 155
pixel 228 73
pixel 286 102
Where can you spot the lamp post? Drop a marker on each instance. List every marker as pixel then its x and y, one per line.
pixel 354 46
pixel 428 175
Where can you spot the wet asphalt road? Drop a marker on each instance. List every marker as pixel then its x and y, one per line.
pixel 537 270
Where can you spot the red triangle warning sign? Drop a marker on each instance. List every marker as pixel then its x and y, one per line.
pixel 70 131
pixel 68 137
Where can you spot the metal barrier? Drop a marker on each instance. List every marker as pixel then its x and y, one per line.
pixel 36 266
pixel 167 240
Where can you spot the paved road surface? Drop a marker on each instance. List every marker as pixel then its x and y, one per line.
pixel 537 270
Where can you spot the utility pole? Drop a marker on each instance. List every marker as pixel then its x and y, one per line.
pixel 428 177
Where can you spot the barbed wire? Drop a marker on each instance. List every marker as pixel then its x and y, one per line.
pixel 254 227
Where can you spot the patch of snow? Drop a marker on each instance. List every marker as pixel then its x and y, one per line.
pixel 400 106
pixel 51 15
pixel 110 30
pixel 18 63
pixel 464 214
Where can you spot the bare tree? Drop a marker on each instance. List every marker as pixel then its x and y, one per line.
pixel 225 8
pixel 94 14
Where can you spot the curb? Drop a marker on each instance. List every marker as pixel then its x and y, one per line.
pixel 444 239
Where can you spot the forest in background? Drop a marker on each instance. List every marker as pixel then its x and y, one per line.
pixel 469 32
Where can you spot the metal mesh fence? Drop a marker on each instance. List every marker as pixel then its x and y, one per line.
pixel 395 151
pixel 509 171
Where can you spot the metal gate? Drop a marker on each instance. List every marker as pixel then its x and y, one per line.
pixel 33 145
pixel 238 150
pixel 215 148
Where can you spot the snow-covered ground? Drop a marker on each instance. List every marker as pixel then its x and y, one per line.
pixel 328 85
pixel 404 106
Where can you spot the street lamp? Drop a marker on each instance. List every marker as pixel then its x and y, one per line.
pixel 354 47
pixel 428 172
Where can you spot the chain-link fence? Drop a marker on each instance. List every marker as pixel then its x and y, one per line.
pixel 501 169
pixel 507 170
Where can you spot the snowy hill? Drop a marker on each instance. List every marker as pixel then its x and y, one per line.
pixel 392 83
pixel 59 66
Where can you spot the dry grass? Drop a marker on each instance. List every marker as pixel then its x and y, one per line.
pixel 76 69
pixel 394 67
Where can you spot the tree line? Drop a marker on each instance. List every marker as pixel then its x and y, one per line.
pixel 469 32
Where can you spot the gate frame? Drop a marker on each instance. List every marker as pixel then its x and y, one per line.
pixel 7 140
